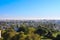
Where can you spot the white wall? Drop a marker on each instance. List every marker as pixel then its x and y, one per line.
pixel 0 33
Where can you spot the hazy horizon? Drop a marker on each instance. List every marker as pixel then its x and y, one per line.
pixel 29 19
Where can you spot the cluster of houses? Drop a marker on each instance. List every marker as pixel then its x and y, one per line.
pixel 8 24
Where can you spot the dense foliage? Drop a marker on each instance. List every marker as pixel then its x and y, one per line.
pixel 24 32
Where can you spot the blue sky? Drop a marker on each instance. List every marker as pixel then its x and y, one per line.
pixel 15 9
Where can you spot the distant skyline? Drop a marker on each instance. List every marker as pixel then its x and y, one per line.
pixel 29 9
